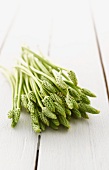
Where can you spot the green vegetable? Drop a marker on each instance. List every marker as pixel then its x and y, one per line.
pixel 49 93
pixel 72 77
pixel 76 113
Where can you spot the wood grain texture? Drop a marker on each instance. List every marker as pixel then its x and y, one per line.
pixel 102 27
pixel 18 146
pixel 85 145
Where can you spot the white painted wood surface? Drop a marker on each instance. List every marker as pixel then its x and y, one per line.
pixel 73 45
pixel 8 9
pixel 85 145
pixel 101 13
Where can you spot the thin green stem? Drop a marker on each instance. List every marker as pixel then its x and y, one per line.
pixel 13 79
pixel 36 91
pixel 13 85
pixel 64 76
pixel 20 89
pixel 25 91
pixel 27 83
pixel 17 82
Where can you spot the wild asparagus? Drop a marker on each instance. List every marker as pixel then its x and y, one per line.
pixel 49 93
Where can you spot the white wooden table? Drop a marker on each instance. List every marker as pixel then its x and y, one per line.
pixel 75 35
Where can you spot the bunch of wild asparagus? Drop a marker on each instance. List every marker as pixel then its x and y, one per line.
pixel 49 93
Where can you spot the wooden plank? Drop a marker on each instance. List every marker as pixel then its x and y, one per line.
pixel 85 145
pixel 102 29
pixel 18 146
pixel 8 10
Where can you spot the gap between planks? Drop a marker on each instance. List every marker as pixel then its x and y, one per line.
pixel 100 55
pixel 37 152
